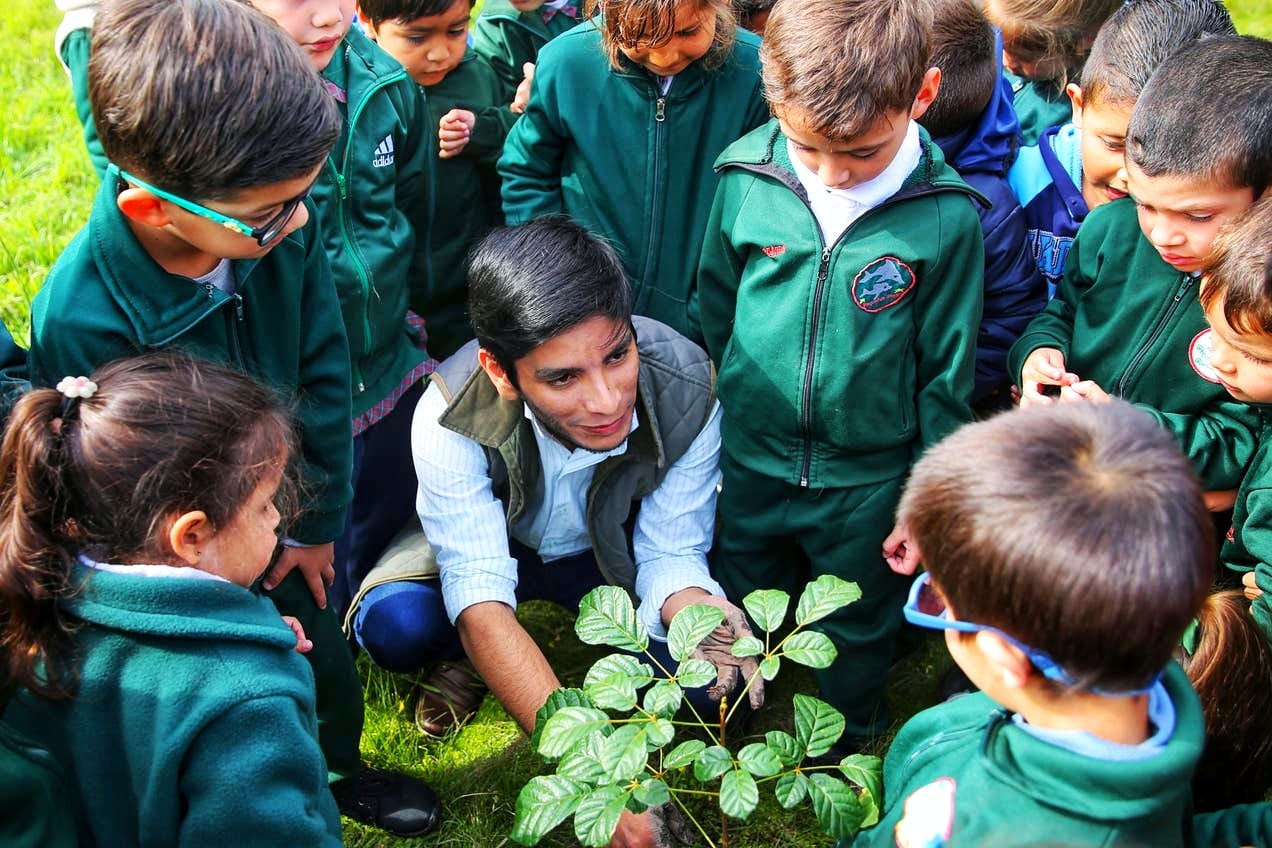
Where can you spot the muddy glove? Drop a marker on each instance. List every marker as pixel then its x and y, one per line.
pixel 732 672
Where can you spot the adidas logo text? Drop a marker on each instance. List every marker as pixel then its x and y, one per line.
pixel 383 153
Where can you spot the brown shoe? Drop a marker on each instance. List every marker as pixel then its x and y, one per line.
pixel 450 696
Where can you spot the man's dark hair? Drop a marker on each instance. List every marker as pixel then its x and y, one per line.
pixel 963 48
pixel 205 98
pixel 1206 114
pixel 402 11
pixel 1139 37
pixel 530 283
pixel 1078 529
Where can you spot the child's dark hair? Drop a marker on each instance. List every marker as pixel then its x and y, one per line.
pixel 1078 529
pixel 840 66
pixel 963 48
pixel 1230 666
pixel 747 9
pixel 627 23
pixel 1240 271
pixel 530 283
pixel 1051 31
pixel 1206 115
pixel 163 434
pixel 402 11
pixel 1139 37
pixel 205 98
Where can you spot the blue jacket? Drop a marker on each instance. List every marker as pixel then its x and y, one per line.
pixel 1047 180
pixel 1014 290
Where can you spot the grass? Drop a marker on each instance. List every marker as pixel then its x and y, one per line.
pixel 46 188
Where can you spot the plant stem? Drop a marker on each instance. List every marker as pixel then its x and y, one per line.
pixel 767 654
pixel 693 821
pixel 725 712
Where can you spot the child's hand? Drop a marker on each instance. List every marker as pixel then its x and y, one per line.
pixel 303 645
pixel 314 563
pixel 1249 588
pixel 900 551
pixel 454 131
pixel 522 96
pixel 1084 390
pixel 1044 367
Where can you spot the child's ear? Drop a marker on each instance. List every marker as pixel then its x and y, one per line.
pixel 141 206
pixel 1008 662
pixel 927 93
pixel 188 534
pixel 497 375
pixel 1075 98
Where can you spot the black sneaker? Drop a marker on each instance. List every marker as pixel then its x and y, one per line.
pixel 388 800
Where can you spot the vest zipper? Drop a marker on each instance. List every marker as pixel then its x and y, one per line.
pixel 1138 358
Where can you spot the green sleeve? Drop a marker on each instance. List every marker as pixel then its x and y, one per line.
pixel 35 798
pixel 494 119
pixel 530 167
pixel 719 272
pixel 492 41
pixel 14 380
pixel 1219 442
pixel 1054 326
pixel 1251 545
pixel 414 195
pixel 1244 824
pixel 75 55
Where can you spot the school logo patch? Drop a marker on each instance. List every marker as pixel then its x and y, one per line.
pixel 1200 349
pixel 927 817
pixel 882 283
pixel 774 250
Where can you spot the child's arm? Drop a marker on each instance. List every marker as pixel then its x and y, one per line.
pixel 484 123
pixel 1244 824
pixel 414 145
pixel 719 270
pixel 73 39
pixel 1249 548
pixel 1219 442
pixel 491 42
pixel 530 167
pixel 1053 329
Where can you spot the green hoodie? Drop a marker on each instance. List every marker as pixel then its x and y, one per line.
pixel 194 719
pixel 839 363
pixel 105 298
pixel 375 199
pixel 37 808
pixel 508 39
pixel 1249 543
pixel 1129 321
pixel 964 771
pixel 629 163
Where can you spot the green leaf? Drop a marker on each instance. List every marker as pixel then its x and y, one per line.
pixel 568 727
pixel 818 725
pixel 652 792
pixel 784 746
pixel 712 762
pixel 597 814
pixel 683 754
pixel 767 608
pixel 790 789
pixel 769 667
pixel 606 617
pixel 663 699
pixel 809 648
pixel 869 809
pixel 738 794
pixel 558 699
pixel 866 772
pixel 691 674
pixel 747 646
pixel 659 732
pixel 623 754
pixel 835 804
pixel 822 597
pixel 759 760
pixel 612 681
pixel 584 762
pixel 543 804
pixel 690 626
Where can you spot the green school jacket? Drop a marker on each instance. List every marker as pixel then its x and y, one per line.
pixel 194 720
pixel 37 807
pixel 1249 543
pixel 628 163
pixel 1129 321
pixel 1038 105
pixel 467 198
pixel 508 39
pixel 839 363
pixel 375 199
pixel 963 774
pixel 105 298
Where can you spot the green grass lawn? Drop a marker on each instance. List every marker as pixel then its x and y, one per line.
pixel 46 187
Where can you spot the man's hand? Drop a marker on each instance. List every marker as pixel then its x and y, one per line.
pixel 1249 588
pixel 314 563
pixel 900 551
pixel 453 132
pixel 716 648
pixel 1084 390
pixel 1044 367
pixel 303 645
pixel 522 95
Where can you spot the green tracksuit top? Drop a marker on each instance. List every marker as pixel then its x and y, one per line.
pixel 105 298
pixel 1129 321
pixel 1249 543
pixel 632 165
pixel 375 199
pixel 508 39
pixel 839 363
pixel 963 774
pixel 194 720
pixel 467 198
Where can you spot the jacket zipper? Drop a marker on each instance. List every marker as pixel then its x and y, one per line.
pixel 1162 322
pixel 660 116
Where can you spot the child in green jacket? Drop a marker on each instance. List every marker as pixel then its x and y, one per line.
pixel 624 121
pixel 471 117
pixel 202 241
pixel 1125 320
pixel 1067 550
pixel 841 293
pixel 510 33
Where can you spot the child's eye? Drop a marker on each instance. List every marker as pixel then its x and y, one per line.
pixel 458 32
pixel 415 40
pixel 689 33
pixel 1256 360
pixel 864 154
pixel 1198 219
pixel 1114 145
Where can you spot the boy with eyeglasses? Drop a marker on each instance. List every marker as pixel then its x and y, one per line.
pixel 201 239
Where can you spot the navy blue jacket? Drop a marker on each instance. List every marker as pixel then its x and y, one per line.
pixel 1051 197
pixel 1014 290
